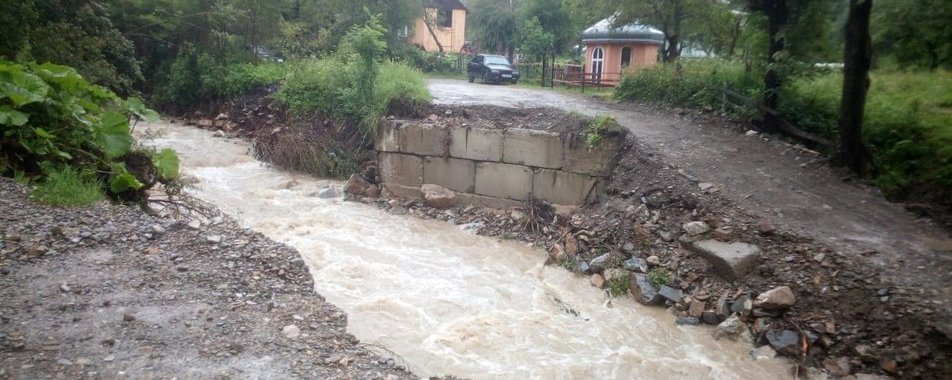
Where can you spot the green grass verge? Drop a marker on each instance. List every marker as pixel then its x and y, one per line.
pixel 67 187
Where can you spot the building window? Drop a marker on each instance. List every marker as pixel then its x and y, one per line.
pixel 445 18
pixel 598 60
pixel 625 56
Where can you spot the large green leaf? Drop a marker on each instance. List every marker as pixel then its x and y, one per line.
pixel 167 163
pixel 10 116
pixel 136 107
pixel 121 180
pixel 22 88
pixel 112 134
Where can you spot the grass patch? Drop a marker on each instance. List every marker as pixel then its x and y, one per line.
pixel 619 286
pixel 659 277
pixel 67 187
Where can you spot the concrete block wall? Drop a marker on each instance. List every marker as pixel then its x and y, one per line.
pixel 488 164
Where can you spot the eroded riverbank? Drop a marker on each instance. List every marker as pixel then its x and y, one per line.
pixel 448 301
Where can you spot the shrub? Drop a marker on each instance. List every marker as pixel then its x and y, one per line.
pixel 424 61
pixel 689 83
pixel 68 187
pixel 52 119
pixel 658 277
pixel 619 285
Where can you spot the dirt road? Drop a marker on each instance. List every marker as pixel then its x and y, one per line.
pixel 786 186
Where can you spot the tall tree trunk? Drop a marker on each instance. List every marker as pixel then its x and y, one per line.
pixel 856 58
pixel 429 27
pixel 673 50
pixel 776 11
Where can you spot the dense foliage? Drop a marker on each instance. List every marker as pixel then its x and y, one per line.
pixel 56 125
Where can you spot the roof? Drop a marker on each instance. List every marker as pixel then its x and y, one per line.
pixel 603 31
pixel 444 4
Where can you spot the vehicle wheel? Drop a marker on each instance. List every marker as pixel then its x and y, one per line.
pixel 515 81
pixel 486 78
pixel 471 79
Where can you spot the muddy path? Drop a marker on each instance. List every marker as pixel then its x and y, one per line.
pixel 788 187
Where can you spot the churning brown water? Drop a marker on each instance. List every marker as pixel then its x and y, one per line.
pixel 448 301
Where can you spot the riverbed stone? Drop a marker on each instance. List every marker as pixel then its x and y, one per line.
pixel 643 291
pixel 437 196
pixel 786 342
pixel 598 281
pixel 636 264
pixel 670 293
pixel 776 299
pixel 600 263
pixel 763 353
pixel 687 321
pixel 732 261
pixel 742 305
pixel 696 309
pixel 732 328
pixel 695 228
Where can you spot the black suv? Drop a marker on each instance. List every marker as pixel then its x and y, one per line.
pixel 491 68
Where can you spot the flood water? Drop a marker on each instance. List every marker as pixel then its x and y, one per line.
pixel 448 301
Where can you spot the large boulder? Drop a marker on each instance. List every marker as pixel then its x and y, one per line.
pixel 776 299
pixel 358 186
pixel 786 342
pixel 437 196
pixel 732 261
pixel 643 291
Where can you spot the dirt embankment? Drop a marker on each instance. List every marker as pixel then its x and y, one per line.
pixel 109 292
pixel 846 319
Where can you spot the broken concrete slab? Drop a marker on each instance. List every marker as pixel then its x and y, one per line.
pixel 732 261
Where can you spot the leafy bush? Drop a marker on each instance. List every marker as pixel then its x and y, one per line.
pixel 52 119
pixel 68 187
pixel 351 86
pixel 424 61
pixel 195 77
pixel 689 83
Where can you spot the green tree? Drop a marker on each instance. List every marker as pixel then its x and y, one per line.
pixel 534 41
pixel 915 33
pixel 495 25
pixel 677 19
pixel 555 18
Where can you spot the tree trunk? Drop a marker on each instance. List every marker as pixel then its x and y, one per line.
pixel 673 50
pixel 851 151
pixel 776 11
pixel 429 27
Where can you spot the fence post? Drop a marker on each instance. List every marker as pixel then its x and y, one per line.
pixel 583 78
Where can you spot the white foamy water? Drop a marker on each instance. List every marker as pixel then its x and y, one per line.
pixel 450 302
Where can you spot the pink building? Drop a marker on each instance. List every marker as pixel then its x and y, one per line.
pixel 610 51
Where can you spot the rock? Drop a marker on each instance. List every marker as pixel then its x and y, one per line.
pixel 158 229
pixel 695 228
pixel 438 197
pixel 219 133
pixel 582 267
pixel 601 263
pixel 614 273
pixel 889 366
pixel 721 308
pixel 291 331
pixel 705 186
pixel 731 260
pixel 127 317
pixel 672 294
pixel 838 366
pixel 732 328
pixel 214 239
pixel 776 299
pixel 194 224
pixel 687 321
pixel 628 247
pixel 710 317
pixel 556 254
pixel 724 234
pixel 786 342
pixel 654 260
pixel 742 305
pixel 517 215
pixel 598 281
pixel 360 187
pixel 867 376
pixel 763 353
pixel 205 123
pixel 643 291
pixel 221 117
pixel 327 192
pixel 696 309
pixel 751 133
pixel 635 264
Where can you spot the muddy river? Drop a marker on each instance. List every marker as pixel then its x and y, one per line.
pixel 445 300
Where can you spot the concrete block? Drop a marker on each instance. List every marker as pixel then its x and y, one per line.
pixel 424 139
pixel 533 148
pixel 503 180
pixel 561 187
pixel 732 261
pixel 452 173
pixel 580 158
pixel 387 137
pixel 401 169
pixel 480 144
